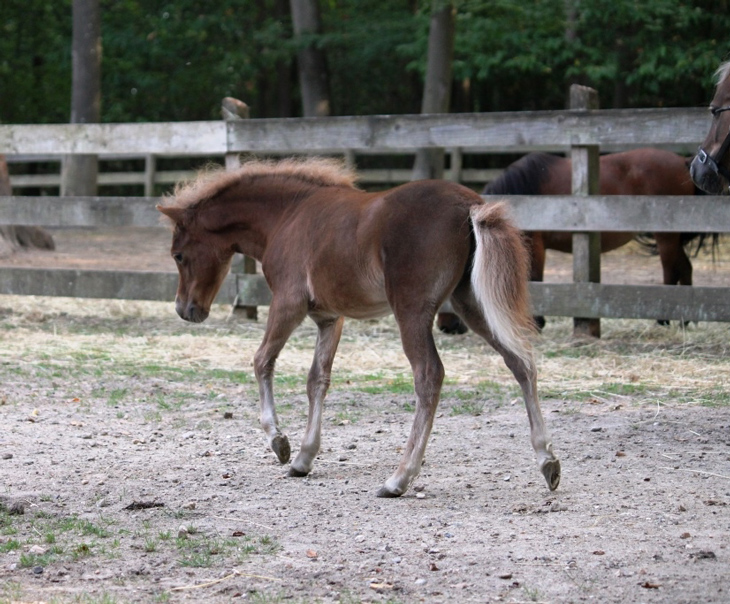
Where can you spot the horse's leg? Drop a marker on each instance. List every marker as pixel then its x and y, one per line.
pixel 428 375
pixel 467 307
pixel 536 246
pixel 282 321
pixel 328 338
pixel 676 265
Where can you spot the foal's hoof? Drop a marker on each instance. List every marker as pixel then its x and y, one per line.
pixel 280 446
pixel 551 471
pixel 294 473
pixel 387 493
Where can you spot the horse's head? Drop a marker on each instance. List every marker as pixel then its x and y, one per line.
pixel 710 169
pixel 202 262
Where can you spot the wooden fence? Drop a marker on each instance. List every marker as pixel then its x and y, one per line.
pixel 493 132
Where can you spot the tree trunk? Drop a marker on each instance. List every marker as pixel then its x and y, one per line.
pixel 14 237
pixel 437 89
pixel 79 172
pixel 313 78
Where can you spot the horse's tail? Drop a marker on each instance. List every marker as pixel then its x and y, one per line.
pixel 499 279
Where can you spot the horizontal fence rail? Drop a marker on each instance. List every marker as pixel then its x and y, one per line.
pixel 491 132
pixel 697 214
pixel 487 133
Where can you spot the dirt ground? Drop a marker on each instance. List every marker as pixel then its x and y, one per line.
pixel 134 470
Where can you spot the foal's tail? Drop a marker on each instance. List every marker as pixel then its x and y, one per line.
pixel 499 279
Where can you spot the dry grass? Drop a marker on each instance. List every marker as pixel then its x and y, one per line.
pixel 635 361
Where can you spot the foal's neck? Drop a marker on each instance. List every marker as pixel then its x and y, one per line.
pixel 249 211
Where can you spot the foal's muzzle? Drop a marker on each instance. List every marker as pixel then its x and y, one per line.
pixel 189 311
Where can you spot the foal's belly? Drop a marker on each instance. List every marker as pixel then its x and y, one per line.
pixel 349 297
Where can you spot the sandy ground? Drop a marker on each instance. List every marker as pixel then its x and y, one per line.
pixel 133 468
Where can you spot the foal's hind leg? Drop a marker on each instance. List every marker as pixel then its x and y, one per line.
pixel 282 321
pixel 330 330
pixel 468 308
pixel 428 375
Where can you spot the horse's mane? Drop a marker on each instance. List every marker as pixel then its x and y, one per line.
pixel 722 72
pixel 524 176
pixel 213 180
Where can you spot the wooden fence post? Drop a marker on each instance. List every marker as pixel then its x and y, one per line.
pixel 233 109
pixel 585 181
pixel 150 169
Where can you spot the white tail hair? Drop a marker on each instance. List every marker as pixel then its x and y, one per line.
pixel 499 279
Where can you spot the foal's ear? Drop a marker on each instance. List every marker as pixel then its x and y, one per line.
pixel 173 213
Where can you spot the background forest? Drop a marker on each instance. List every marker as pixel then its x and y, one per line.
pixel 166 61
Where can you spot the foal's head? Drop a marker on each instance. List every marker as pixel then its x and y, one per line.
pixel 202 257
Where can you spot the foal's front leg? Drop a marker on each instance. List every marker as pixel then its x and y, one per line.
pixel 282 321
pixel 328 337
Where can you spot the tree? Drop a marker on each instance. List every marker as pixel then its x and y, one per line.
pixel 79 172
pixel 312 66
pixel 437 89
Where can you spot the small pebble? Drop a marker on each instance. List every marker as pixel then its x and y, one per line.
pixel 38 550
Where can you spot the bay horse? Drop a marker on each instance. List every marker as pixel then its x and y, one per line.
pixel 647 171
pixel 329 250
pixel 710 169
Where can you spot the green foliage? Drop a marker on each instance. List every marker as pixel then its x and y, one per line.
pixel 167 61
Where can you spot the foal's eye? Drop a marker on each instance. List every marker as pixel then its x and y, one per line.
pixel 177 257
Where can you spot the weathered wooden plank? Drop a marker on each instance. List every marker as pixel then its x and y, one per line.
pixel 384 175
pixel 550 299
pixel 520 131
pixel 122 285
pixel 174 138
pixel 80 211
pixel 88 283
pixel 631 301
pixel 701 214
pixel 585 169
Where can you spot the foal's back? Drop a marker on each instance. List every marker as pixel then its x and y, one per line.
pixel 353 249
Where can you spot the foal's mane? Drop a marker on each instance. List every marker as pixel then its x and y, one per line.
pixel 722 72
pixel 523 177
pixel 312 171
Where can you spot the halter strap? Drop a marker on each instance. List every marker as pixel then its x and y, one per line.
pixel 714 162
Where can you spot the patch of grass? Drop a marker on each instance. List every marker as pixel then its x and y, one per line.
pixel 468 408
pixel 623 388
pixel 28 560
pixel 9 546
pixel 11 591
pixel 150 545
pixel 400 384
pixel 200 552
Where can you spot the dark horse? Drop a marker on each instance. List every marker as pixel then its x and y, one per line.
pixel 329 250
pixel 646 171
pixel 710 169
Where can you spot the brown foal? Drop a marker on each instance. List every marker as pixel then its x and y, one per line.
pixel 329 250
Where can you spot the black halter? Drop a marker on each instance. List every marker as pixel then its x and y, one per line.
pixel 714 162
